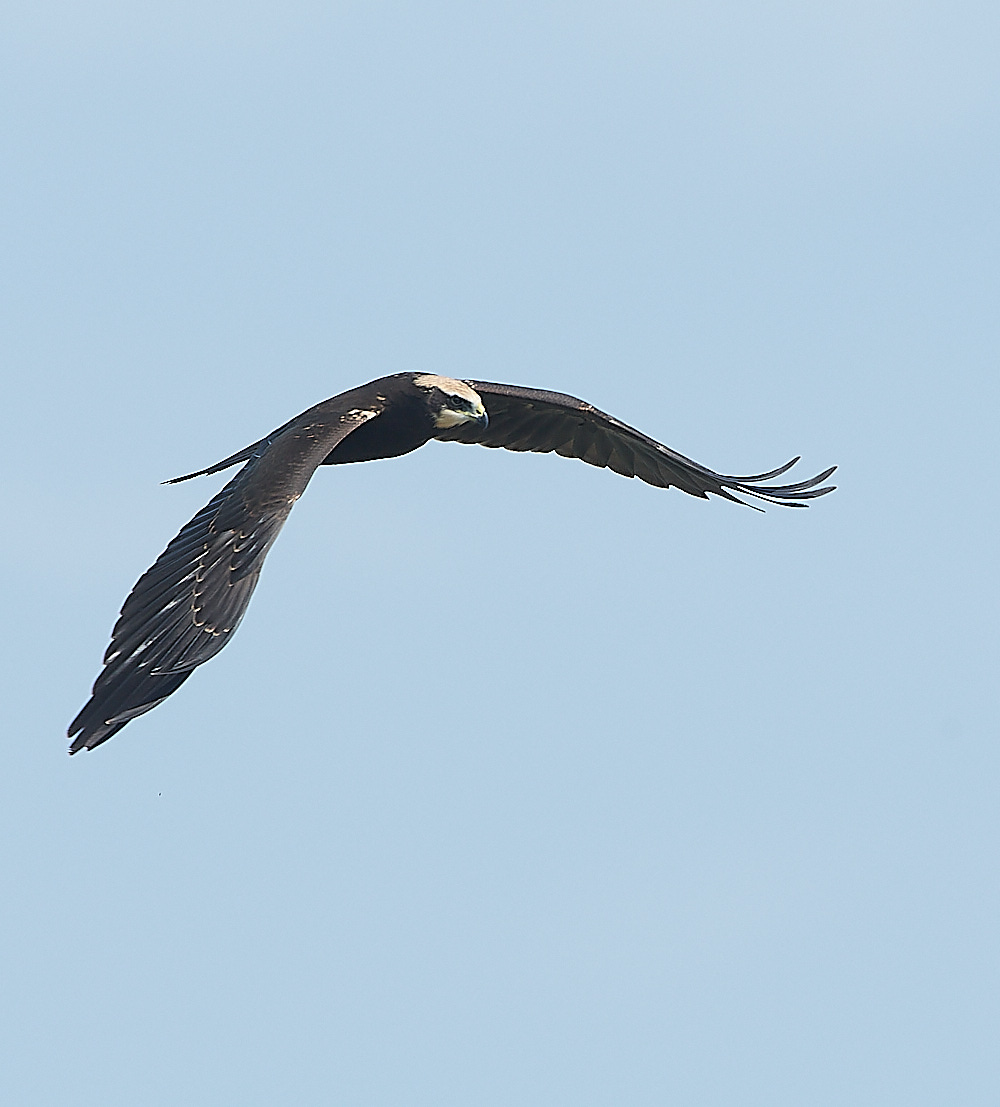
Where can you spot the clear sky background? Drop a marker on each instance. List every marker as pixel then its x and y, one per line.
pixel 521 783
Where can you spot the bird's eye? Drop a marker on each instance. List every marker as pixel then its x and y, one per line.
pixel 458 403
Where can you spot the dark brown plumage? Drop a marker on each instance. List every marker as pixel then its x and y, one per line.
pixel 184 609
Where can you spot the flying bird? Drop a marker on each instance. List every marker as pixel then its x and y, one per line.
pixel 185 608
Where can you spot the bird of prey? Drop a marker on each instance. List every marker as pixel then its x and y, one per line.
pixel 185 608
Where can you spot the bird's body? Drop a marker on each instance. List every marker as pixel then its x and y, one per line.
pixel 184 609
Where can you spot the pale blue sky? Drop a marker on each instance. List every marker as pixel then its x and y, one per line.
pixel 521 783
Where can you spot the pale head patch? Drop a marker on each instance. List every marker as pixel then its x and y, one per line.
pixel 447 385
pixel 446 418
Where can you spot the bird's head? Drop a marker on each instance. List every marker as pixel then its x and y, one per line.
pixel 451 402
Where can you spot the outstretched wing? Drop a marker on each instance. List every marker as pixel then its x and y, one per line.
pixel 184 609
pixel 531 419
